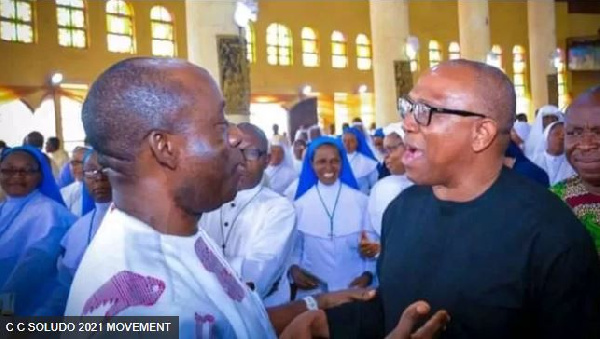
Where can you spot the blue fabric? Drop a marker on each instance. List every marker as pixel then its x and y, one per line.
pixel 363 148
pixel 308 177
pixel 47 185
pixel 87 201
pixel 65 178
pixel 379 133
pixel 526 167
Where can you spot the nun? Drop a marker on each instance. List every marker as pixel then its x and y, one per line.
pixel 361 158
pixel 34 208
pixel 280 171
pixel 388 188
pixel 551 157
pixel 72 193
pixel 535 141
pixel 332 220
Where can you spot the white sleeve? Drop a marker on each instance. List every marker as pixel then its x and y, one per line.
pixel 271 248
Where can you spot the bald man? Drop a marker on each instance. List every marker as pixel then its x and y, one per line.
pixel 501 254
pixel 255 230
pixel 582 146
pixel 158 127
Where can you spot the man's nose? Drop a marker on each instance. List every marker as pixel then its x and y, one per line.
pixel 410 124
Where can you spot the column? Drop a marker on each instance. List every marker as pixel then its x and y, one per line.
pixel 474 29
pixel 389 30
pixel 207 20
pixel 541 22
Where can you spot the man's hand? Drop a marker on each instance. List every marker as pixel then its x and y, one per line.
pixel 368 249
pixel 415 313
pixel 303 279
pixel 307 325
pixel 333 299
pixel 363 281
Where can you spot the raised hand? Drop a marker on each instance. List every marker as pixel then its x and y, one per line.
pixel 368 249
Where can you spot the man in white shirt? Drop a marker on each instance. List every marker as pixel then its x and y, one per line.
pixel 255 230
pixel 159 129
pixel 72 194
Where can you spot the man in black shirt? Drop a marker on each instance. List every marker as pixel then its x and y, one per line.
pixel 502 255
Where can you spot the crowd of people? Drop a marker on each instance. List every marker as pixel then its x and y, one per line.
pixel 463 210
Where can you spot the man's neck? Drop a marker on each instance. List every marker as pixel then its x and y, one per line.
pixel 155 208
pixel 595 190
pixel 469 185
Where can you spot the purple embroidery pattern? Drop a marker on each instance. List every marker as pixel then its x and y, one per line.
pixel 212 264
pixel 200 322
pixel 125 289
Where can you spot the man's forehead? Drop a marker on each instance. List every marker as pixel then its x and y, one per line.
pixel 443 83
pixel 583 113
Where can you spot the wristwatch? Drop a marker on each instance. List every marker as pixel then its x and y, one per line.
pixel 311 303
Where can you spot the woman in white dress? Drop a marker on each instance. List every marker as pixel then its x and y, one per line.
pixel 551 158
pixel 331 219
pixel 361 158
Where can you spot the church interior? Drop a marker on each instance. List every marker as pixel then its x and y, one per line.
pixel 351 59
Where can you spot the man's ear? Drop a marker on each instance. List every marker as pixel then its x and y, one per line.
pixel 484 134
pixel 164 149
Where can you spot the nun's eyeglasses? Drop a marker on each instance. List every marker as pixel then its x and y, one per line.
pixel 13 172
pixel 252 154
pixel 95 174
pixel 423 112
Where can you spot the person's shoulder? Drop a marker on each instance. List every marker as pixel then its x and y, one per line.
pixel 47 206
pixel 542 210
pixel 570 184
pixel 271 197
pixel 356 194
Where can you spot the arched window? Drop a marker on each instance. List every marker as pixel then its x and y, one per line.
pixel 279 45
pixel 70 15
pixel 163 32
pixel 411 51
pixel 16 20
pixel 519 78
pixel 310 47
pixel 250 46
pixel 119 24
pixel 363 52
pixel 559 63
pixel 339 50
pixel 454 50
pixel 435 53
pixel 494 57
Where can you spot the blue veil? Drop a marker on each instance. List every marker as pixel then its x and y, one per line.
pixel 65 178
pixel 363 148
pixel 87 202
pixel 308 177
pixel 379 133
pixel 47 185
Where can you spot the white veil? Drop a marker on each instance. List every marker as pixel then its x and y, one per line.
pixel 535 142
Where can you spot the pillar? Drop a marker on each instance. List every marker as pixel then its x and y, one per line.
pixel 389 30
pixel 206 21
pixel 541 22
pixel 474 29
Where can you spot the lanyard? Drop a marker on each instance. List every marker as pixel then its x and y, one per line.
pixel 332 214
pixel 15 215
pixel 226 238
